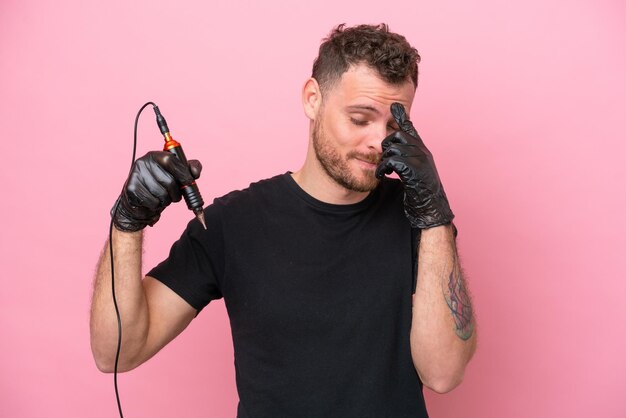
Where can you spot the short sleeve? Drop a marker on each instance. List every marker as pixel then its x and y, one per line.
pixel 195 264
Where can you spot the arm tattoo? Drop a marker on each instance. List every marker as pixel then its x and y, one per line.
pixel 460 305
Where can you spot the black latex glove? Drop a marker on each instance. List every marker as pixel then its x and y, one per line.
pixel 153 183
pixel 425 202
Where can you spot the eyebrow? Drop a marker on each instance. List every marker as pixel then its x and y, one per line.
pixel 364 107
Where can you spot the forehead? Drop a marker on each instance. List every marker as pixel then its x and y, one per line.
pixel 362 86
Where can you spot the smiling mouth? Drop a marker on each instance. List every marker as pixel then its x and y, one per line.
pixel 373 159
pixel 367 164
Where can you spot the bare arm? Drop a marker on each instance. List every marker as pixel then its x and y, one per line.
pixel 443 332
pixel 443 337
pixel 152 314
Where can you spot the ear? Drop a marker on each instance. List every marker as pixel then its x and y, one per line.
pixel 311 98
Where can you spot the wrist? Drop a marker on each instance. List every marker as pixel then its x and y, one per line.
pixel 427 212
pixel 126 239
pixel 125 232
pixel 447 229
pixel 439 237
pixel 128 218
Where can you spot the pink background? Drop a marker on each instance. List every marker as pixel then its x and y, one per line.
pixel 523 105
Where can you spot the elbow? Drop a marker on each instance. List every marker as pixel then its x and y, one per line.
pixel 443 384
pixel 442 378
pixel 103 362
pixel 104 366
pixel 108 366
pixel 442 374
pixel 106 363
pixel 102 357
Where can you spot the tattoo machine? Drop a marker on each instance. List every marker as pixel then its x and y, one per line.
pixel 190 192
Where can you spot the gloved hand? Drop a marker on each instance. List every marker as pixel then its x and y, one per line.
pixel 425 202
pixel 153 183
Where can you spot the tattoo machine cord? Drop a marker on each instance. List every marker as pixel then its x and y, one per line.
pixel 194 201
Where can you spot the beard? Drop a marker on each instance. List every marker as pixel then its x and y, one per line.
pixel 338 168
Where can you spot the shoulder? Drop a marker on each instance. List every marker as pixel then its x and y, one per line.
pixel 255 193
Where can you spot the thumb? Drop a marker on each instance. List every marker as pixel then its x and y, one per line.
pixel 399 114
pixel 195 167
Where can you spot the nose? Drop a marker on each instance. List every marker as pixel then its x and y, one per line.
pixel 375 137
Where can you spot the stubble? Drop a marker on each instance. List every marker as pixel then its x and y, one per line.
pixel 338 168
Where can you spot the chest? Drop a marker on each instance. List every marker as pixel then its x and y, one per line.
pixel 298 273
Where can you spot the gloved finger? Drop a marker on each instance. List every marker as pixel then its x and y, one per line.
pixel 129 216
pixel 195 167
pixel 391 151
pixel 137 213
pixel 405 150
pixel 399 165
pixel 174 166
pixel 406 126
pixel 163 185
pixel 385 144
pixel 383 169
pixel 157 181
pixel 397 137
pixel 139 196
pixel 399 114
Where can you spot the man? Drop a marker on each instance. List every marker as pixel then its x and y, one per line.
pixel 343 287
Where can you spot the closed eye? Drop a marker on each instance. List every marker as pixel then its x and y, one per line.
pixel 358 122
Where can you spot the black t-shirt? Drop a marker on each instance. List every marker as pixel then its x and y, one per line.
pixel 318 296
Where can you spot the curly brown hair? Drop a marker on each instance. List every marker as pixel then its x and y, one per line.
pixel 388 53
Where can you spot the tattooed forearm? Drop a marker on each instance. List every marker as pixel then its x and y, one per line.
pixel 460 305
